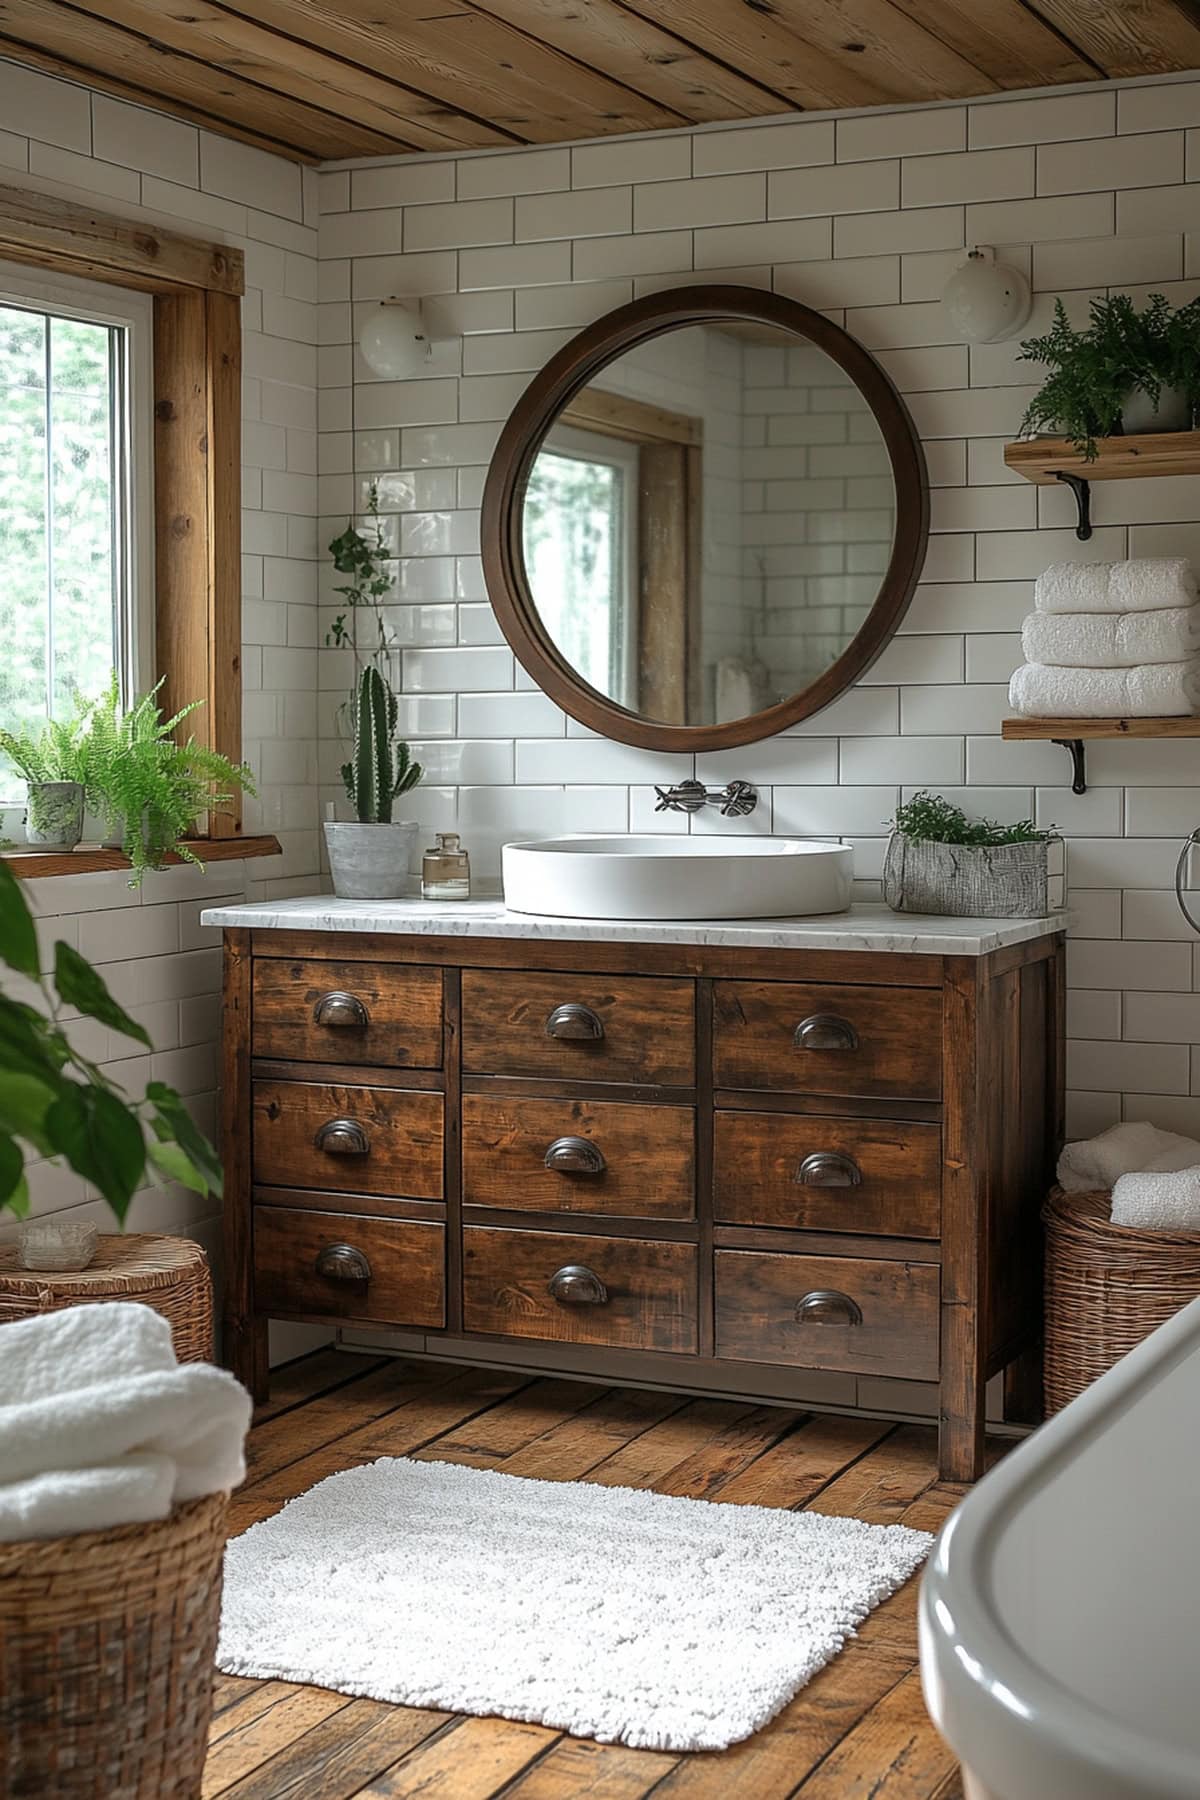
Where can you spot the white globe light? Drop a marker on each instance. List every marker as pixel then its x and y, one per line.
pixel 986 301
pixel 393 340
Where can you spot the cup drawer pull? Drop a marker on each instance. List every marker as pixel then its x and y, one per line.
pixel 825 1306
pixel 341 1012
pixel 343 1137
pixel 574 1022
pixel 827 1168
pixel 574 1156
pixel 577 1285
pixel 342 1262
pixel 825 1031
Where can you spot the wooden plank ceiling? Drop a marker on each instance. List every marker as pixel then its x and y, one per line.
pixel 330 78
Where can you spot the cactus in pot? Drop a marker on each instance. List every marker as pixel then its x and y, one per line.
pixel 369 856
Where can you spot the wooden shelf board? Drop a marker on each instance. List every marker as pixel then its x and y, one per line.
pixel 1118 458
pixel 88 859
pixel 1100 728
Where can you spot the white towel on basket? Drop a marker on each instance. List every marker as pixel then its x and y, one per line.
pixel 1112 640
pixel 1156 690
pixel 1158 1202
pixel 99 1425
pixel 1099 1162
pixel 1146 584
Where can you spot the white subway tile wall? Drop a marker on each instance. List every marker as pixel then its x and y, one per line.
pixel 149 946
pixel 863 217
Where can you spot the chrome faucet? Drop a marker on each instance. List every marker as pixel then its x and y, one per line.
pixel 735 800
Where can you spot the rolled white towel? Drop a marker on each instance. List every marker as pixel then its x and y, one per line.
pixel 1099 1162
pixel 1143 584
pixel 1158 1202
pixel 1112 640
pixel 1152 691
pixel 54 1353
pixel 195 1416
pixel 133 1491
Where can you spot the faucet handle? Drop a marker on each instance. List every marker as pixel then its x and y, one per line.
pixel 740 798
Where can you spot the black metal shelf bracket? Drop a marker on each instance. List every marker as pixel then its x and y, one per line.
pixel 1082 490
pixel 1078 762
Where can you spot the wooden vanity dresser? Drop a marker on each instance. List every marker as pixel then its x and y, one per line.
pixel 731 1168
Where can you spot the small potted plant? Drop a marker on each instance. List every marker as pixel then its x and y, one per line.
pixel 940 861
pixel 369 856
pixel 149 788
pixel 1127 371
pixel 51 757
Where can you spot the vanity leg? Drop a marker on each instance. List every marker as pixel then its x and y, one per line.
pixel 1023 1404
pixel 961 1409
pixel 244 1337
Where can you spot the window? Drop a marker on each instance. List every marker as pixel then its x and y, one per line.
pixel 76 507
pixel 581 549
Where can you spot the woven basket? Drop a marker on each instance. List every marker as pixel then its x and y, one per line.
pixel 1107 1287
pixel 107 1642
pixel 999 881
pixel 168 1273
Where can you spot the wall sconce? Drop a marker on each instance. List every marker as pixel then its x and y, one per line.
pixel 986 301
pixel 394 340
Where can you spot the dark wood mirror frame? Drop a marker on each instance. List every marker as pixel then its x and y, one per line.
pixel 571 369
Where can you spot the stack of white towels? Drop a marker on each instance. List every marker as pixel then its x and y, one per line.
pixel 1111 641
pixel 1154 1175
pixel 100 1426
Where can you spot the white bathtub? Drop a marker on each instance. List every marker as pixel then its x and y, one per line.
pixel 1060 1611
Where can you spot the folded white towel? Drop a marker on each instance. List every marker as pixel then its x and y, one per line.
pixel 113 1444
pixel 1158 1202
pixel 1154 691
pixel 1112 640
pixel 133 1491
pixel 1099 1162
pixel 1145 584
pixel 53 1353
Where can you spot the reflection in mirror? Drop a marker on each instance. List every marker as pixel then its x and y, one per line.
pixel 708 522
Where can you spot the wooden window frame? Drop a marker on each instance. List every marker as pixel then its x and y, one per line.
pixel 197 288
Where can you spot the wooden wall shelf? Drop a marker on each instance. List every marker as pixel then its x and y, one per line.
pixel 88 859
pixel 1073 733
pixel 1048 460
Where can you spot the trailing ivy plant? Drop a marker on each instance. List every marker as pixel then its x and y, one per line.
pixel 1092 371
pixel 148 786
pixel 363 558
pixel 58 1103
pixel 932 819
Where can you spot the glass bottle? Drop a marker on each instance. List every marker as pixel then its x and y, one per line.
pixel 446 869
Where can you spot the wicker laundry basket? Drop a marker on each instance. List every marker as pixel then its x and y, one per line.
pixel 168 1273
pixel 1107 1287
pixel 107 1643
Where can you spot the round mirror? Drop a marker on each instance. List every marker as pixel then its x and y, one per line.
pixel 704 519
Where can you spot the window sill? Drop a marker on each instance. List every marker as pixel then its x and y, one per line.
pixel 88 859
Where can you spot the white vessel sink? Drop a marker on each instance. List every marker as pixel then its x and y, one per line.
pixel 677 877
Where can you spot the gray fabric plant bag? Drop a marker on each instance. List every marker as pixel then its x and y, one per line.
pixel 1001 881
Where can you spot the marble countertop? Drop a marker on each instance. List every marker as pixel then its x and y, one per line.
pixel 867 927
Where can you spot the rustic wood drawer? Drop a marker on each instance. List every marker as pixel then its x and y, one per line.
pixel 631 1292
pixel 800 1171
pixel 823 1039
pixel 353 1140
pixel 364 1013
pixel 339 1266
pixel 829 1312
pixel 573 1156
pixel 582 1027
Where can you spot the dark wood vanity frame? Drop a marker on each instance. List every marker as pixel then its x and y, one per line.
pixel 922 1093
pixel 535 412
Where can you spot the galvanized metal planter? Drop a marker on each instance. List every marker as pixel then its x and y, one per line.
pixel 370 862
pixel 998 881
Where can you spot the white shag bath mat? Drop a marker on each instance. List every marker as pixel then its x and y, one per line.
pixel 605 1612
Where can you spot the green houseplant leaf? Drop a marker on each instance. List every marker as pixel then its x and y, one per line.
pixel 80 986
pixel 18 937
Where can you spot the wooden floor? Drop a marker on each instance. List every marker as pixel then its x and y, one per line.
pixel 858 1731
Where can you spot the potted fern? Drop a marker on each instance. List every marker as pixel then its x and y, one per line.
pixel 369 856
pixel 51 756
pixel 149 788
pixel 940 861
pixel 1127 371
